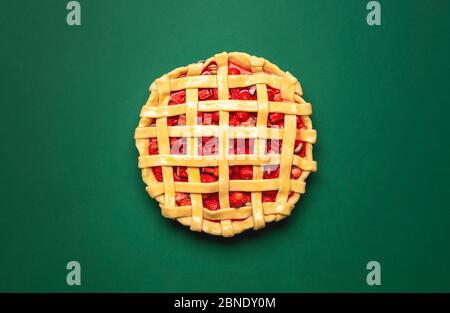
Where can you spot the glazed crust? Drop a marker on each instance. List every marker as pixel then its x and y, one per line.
pixel 226 221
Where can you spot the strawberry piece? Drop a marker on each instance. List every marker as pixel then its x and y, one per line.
pixel 215 94
pixel 177 97
pixel 234 172
pixel 180 196
pixel 172 120
pixel 182 199
pixel 184 202
pixel 234 93
pixel 207 178
pixel 212 204
pixel 209 145
pixel 206 139
pixel 246 172
pixel 295 172
pixel 252 91
pixel 215 118
pixel 237 199
pixel 204 94
pixel 177 145
pixel 300 148
pixel 302 151
pixel 199 118
pixel 271 171
pixel 211 170
pixel 269 196
pixel 177 177
pixel 276 118
pixel 234 176
pixel 179 174
pixel 181 120
pixel 157 171
pixel 153 146
pixel 207 118
pixel 245 95
pixel 242 116
pixel 273 94
pixel 211 69
pixel 240 146
pixel 182 171
pixel 270 94
pixel 211 201
pixel 234 71
pixel 241 172
pixel 251 121
pixel 300 123
pixel 233 120
pixel 250 145
pixel 274 146
pixel 248 197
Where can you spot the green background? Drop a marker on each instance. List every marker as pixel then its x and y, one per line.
pixel 71 190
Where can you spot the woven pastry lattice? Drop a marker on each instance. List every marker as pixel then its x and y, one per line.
pixel 226 144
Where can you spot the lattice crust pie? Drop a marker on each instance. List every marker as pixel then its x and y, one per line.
pixel 226 144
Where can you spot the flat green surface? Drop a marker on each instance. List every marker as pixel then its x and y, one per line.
pixel 71 190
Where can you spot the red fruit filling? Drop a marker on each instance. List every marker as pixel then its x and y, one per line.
pixel 180 173
pixel 153 146
pixel 157 171
pixel 182 198
pixel 211 201
pixel 300 123
pixel 300 148
pixel 235 69
pixel 295 172
pixel 208 176
pixel 177 145
pixel 241 172
pixel 211 171
pixel 241 146
pixel 206 94
pixel 177 97
pixel 273 146
pixel 271 171
pixel 241 118
pixel 152 150
pixel 269 196
pixel 275 119
pixel 239 199
pixel 209 145
pixel 273 94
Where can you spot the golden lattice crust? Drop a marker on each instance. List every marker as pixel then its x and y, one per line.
pixel 226 221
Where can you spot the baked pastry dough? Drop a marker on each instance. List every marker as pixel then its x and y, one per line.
pixel 226 144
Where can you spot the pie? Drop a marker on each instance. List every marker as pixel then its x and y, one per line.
pixel 226 144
